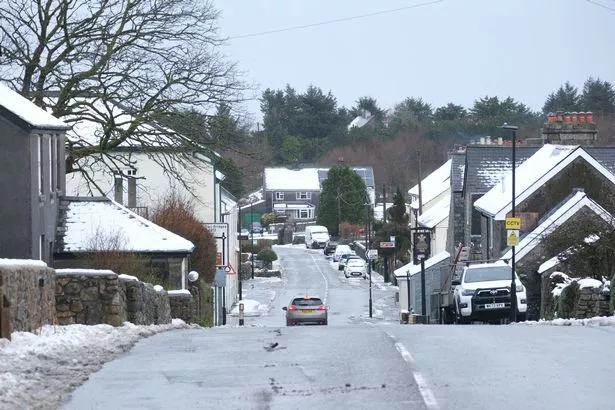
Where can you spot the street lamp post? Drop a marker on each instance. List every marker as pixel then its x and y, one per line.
pixel 513 285
pixel 369 262
pixel 239 267
pixel 252 235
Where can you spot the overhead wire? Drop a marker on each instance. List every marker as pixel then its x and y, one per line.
pixel 601 5
pixel 335 21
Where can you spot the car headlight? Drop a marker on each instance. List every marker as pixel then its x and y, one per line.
pixel 467 292
pixel 519 288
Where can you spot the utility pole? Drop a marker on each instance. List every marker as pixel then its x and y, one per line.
pixel 384 218
pixel 369 262
pixel 252 233
pixel 339 211
pixel 239 267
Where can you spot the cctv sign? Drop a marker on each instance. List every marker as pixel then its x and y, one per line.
pixel 513 224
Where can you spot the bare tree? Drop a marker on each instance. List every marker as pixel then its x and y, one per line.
pixel 121 65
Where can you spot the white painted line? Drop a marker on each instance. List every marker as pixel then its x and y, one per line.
pixel 324 277
pixel 426 393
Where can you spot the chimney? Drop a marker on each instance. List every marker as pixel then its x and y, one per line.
pixel 118 187
pixel 571 128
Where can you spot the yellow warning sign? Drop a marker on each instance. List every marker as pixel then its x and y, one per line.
pixel 512 237
pixel 513 223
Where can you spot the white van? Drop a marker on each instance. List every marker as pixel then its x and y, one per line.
pixel 316 236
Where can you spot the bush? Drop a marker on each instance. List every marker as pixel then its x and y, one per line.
pixel 267 255
pixel 568 300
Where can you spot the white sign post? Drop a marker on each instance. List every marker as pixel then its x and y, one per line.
pixel 221 234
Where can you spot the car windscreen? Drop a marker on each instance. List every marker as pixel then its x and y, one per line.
pixel 488 274
pixel 307 302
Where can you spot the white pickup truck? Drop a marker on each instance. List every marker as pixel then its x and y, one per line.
pixel 482 292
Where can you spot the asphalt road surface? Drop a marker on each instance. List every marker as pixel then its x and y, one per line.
pixel 357 362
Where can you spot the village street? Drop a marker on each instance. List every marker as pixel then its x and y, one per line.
pixel 355 362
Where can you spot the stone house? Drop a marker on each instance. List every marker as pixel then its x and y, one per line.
pixel 99 225
pixel 32 155
pixel 530 254
pixel 475 169
pixel 542 182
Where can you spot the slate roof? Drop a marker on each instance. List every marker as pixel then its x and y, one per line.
pixel 82 219
pixel 563 213
pixel 533 174
pixel 486 164
pixel 436 214
pixel 604 155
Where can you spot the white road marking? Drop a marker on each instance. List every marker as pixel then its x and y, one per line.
pixel 324 277
pixel 426 393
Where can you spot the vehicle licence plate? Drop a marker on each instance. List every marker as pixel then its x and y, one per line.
pixel 307 310
pixel 494 305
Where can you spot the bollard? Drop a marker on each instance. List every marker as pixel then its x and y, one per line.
pixel 404 317
pixel 241 314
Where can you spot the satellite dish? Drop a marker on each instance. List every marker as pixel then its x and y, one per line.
pixel 193 276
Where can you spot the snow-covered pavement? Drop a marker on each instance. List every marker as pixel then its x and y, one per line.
pixel 39 371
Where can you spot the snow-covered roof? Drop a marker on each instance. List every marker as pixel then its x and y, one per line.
pixel 436 214
pixel 566 211
pixel 248 206
pixel 85 221
pixel 413 269
pixel 531 175
pixel 360 121
pixel 305 179
pixel 432 185
pixel 29 112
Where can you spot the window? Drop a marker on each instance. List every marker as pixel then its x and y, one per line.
pixel 304 214
pixel 58 161
pixel 304 195
pixel 51 147
pixel 39 163
pixel 279 196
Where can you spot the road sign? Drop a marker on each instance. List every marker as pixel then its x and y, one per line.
pixel 512 237
pixel 513 224
pixel 220 231
pixel 371 254
pixel 387 244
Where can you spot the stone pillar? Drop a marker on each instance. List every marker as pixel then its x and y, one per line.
pixel 132 192
pixel 118 188
pixel 5 313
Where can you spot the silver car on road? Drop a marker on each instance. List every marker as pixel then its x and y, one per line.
pixel 306 309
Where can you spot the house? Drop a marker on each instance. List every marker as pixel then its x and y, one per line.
pixel 295 192
pixel 99 225
pixel 364 118
pixel 436 219
pixel 32 155
pixel 542 182
pixel 475 170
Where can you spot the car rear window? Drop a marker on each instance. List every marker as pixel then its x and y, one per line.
pixel 307 302
pixel 355 262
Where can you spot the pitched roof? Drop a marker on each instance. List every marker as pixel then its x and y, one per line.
pixel 432 185
pixel 563 213
pixel 306 179
pixel 27 111
pixel 486 164
pixel 436 214
pixel 531 175
pixel 85 221
pixel 413 269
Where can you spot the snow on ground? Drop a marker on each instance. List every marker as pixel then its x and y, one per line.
pixel 39 371
pixel 593 321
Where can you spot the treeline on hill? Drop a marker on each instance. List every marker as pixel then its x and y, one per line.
pixel 311 128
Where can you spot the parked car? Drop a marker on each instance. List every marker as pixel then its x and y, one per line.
pixel 483 293
pixel 344 258
pixel 256 227
pixel 329 248
pixel 355 267
pixel 306 309
pixel 316 236
pixel 244 234
pixel 339 251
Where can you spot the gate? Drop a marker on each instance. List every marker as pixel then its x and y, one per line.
pixel 5 314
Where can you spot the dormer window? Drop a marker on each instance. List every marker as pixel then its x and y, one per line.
pixel 279 196
pixel 304 195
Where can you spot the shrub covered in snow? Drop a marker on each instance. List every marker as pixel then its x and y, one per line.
pixel 267 255
pixel 567 301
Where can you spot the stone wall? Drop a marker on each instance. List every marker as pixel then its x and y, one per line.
pixel 580 303
pixel 144 304
pixel 91 297
pixel 27 295
pixel 182 305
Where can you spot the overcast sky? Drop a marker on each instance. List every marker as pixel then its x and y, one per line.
pixel 446 51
